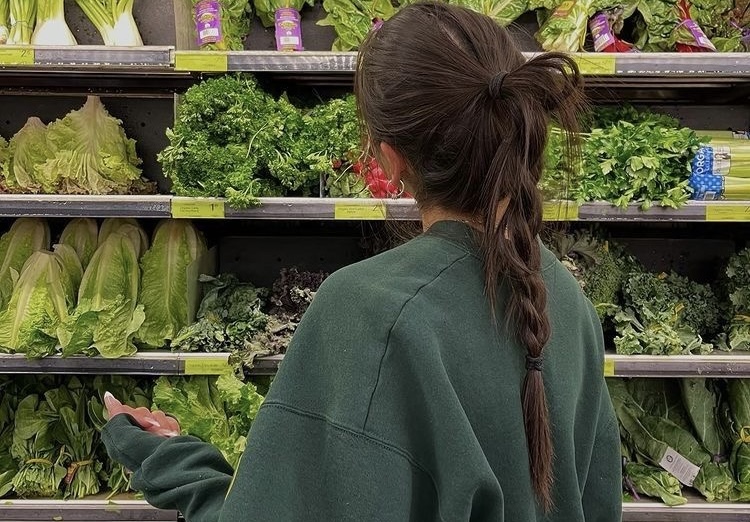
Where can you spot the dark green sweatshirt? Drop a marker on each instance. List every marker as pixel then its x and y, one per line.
pixel 399 401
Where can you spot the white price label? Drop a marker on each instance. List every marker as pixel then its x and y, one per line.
pixel 679 466
pixel 211 32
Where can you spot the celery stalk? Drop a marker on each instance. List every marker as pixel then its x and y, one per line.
pixel 22 17
pixel 51 28
pixel 4 17
pixel 114 21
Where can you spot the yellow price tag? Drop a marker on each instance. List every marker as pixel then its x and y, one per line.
pixel 728 212
pixel 201 61
pixel 372 210
pixel 609 368
pixel 16 55
pixel 206 366
pixel 559 211
pixel 595 64
pixel 197 208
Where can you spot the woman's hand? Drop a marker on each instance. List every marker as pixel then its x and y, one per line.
pixel 156 422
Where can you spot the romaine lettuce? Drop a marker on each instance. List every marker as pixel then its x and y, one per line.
pixel 167 283
pixel 108 314
pixel 26 236
pixel 40 301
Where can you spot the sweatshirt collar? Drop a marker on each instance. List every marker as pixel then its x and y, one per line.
pixel 462 235
pixel 456 232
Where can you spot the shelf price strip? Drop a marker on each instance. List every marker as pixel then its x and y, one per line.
pixel 724 212
pixel 197 208
pixel 207 366
pixel 595 64
pixel 16 56
pixel 559 211
pixel 359 211
pixel 201 61
pixel 609 368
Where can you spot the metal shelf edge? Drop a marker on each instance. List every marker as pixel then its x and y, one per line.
pixel 593 64
pixel 716 365
pixel 143 363
pixel 712 365
pixel 54 205
pixel 116 510
pixel 40 57
pixel 293 208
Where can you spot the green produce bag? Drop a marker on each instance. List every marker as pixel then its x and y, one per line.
pixel 664 443
pixel 738 396
pixel 654 482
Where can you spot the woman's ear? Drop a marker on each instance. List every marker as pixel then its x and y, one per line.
pixel 393 163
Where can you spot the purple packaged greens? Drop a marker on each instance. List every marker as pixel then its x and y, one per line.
pixel 701 40
pixel 288 30
pixel 601 31
pixel 208 22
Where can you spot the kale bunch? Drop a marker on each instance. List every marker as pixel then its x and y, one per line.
pixel 666 314
pixel 293 292
pixel 737 287
pixel 599 266
pixel 230 314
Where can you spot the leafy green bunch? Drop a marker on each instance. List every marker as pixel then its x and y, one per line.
pixel 640 162
pixel 737 285
pixel 234 140
pixel 666 314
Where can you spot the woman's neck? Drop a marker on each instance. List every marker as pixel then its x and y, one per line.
pixel 432 215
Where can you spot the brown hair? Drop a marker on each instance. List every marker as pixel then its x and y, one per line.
pixel 450 91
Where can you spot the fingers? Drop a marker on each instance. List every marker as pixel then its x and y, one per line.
pixel 156 422
pixel 114 407
pixel 165 426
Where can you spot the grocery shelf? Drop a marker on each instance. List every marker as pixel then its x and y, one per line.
pixel 131 510
pixel 97 56
pixel 405 209
pixel 311 209
pixel 595 64
pixel 267 365
pixel 711 365
pixel 329 209
pixel 696 510
pixel 120 509
pixel 692 211
pixel 12 205
pixel 85 69
pixel 143 363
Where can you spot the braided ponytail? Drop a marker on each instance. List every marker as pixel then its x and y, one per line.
pixel 538 89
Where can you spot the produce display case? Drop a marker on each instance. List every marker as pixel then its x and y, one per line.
pixel 142 87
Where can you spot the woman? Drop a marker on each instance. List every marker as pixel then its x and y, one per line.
pixel 455 378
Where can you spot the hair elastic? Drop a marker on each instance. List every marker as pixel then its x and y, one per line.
pixel 534 363
pixel 495 86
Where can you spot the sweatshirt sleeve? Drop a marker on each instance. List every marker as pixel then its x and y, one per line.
pixel 297 467
pixel 180 473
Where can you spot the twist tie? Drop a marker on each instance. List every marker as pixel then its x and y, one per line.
pixel 534 363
